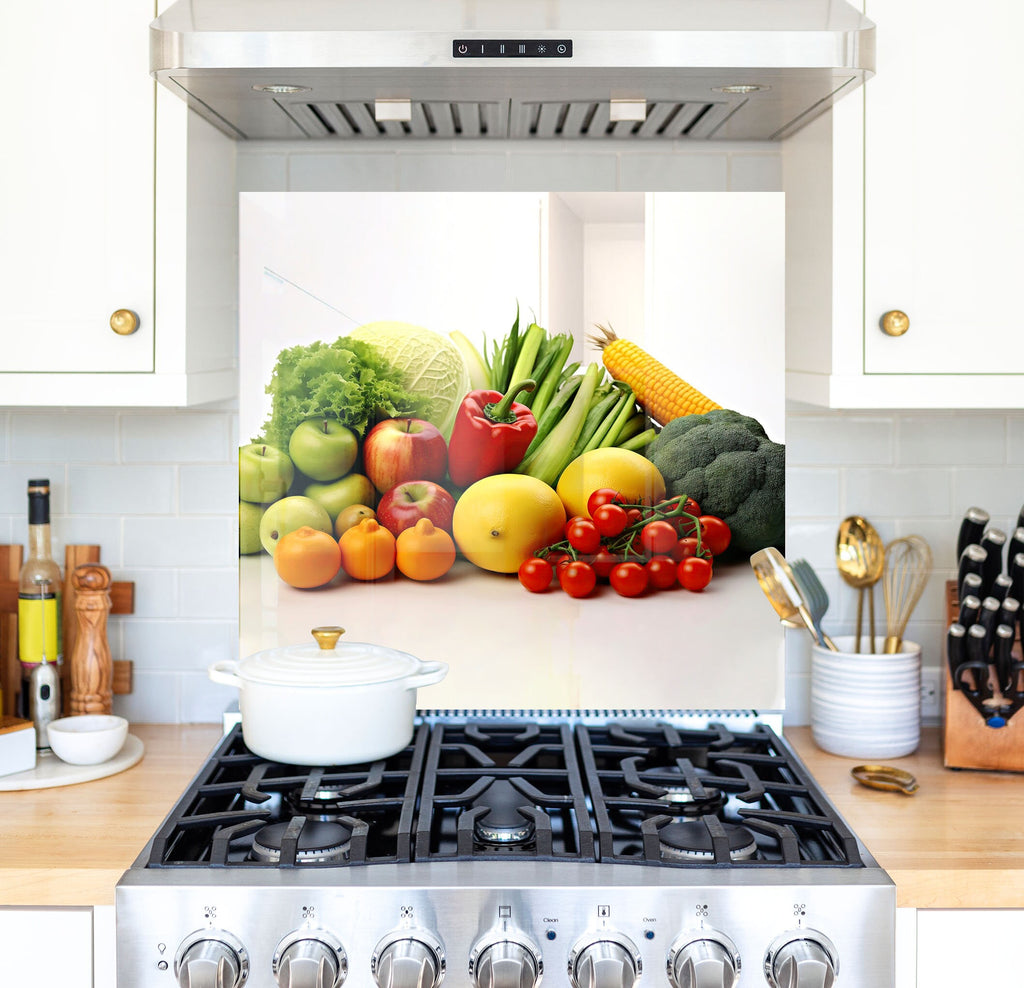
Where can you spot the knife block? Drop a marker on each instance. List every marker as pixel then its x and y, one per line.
pixel 967 741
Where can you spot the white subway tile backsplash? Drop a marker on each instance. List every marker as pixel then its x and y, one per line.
pixel 342 172
pixel 178 437
pixel 156 591
pixel 1015 439
pixel 82 530
pixel 897 491
pixel 815 440
pixel 181 541
pixel 208 490
pixel 14 478
pixel 72 437
pixel 121 490
pixel 653 172
pixel 202 700
pixel 209 593
pixel 155 699
pixel 927 440
pixel 171 646
pixel 999 490
pixel 811 539
pixel 812 492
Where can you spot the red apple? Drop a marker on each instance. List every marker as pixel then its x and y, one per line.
pixel 397 450
pixel 405 504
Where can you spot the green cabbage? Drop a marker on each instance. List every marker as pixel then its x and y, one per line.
pixel 430 366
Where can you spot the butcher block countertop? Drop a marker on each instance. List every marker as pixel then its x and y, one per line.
pixel 957 843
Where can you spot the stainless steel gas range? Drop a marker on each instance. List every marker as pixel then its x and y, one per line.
pixel 596 849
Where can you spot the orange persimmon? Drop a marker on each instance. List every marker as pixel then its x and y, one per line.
pixel 424 552
pixel 367 550
pixel 307 558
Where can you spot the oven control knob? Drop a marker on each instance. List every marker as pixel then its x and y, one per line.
pixel 408 959
pixel 310 959
pixel 211 959
pixel 801 959
pixel 709 960
pixel 607 960
pixel 505 963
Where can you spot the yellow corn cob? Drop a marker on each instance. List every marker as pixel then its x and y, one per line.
pixel 662 393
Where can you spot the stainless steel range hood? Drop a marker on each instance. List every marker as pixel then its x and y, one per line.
pixel 498 69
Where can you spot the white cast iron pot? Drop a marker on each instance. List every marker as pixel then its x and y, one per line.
pixel 327 703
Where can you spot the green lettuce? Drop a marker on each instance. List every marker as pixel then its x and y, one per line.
pixel 345 380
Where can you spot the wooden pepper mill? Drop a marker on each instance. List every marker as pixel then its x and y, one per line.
pixel 92 670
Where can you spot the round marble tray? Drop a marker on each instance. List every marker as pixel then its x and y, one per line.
pixel 50 771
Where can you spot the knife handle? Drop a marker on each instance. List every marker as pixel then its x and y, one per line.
pixel 988 618
pixel 1015 571
pixel 1000 586
pixel 969 608
pixel 1003 660
pixel 1016 545
pixel 972 560
pixel 992 542
pixel 956 650
pixel 977 660
pixel 1010 611
pixel 971 527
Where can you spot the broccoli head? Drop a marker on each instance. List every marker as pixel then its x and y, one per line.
pixel 728 465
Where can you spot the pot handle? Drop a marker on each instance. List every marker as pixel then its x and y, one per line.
pixel 224 672
pixel 430 673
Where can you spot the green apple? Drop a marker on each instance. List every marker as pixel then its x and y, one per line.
pixel 249 517
pixel 264 473
pixel 323 449
pixel 353 489
pixel 290 513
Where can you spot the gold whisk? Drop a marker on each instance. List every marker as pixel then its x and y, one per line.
pixel 908 562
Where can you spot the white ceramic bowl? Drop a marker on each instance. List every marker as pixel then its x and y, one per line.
pixel 88 739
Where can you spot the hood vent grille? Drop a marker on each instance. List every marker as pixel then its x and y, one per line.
pixel 567 120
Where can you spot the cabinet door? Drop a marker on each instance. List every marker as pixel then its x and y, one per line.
pixel 944 203
pixel 76 186
pixel 47 948
pixel 954 946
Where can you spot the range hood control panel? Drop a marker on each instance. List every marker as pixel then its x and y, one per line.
pixel 515 48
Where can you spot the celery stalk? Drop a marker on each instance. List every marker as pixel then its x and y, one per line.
pixel 597 439
pixel 524 364
pixel 479 376
pixel 546 388
pixel 552 456
pixel 640 441
pixel 625 413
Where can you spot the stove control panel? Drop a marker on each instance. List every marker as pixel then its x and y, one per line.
pixel 709 960
pixel 604 960
pixel 801 959
pixel 505 958
pixel 211 959
pixel 410 958
pixel 310 959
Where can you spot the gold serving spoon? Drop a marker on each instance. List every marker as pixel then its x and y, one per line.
pixel 860 559
pixel 776 580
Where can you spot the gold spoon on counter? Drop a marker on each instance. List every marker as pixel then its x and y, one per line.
pixel 860 559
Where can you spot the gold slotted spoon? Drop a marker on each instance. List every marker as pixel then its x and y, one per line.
pixel 860 559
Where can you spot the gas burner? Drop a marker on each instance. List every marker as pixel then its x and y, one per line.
pixel 681 801
pixel 327 803
pixel 691 841
pixel 318 843
pixel 502 823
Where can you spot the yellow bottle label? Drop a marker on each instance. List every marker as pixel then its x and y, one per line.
pixel 38 629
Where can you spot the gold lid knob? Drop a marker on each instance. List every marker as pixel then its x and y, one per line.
pixel 327 636
pixel 124 322
pixel 895 323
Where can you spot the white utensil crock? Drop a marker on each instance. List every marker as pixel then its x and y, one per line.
pixel 327 703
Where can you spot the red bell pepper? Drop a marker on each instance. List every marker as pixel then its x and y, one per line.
pixel 490 434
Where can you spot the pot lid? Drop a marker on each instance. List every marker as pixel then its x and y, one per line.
pixel 326 662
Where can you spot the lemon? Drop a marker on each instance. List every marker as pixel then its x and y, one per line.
pixel 501 520
pixel 633 475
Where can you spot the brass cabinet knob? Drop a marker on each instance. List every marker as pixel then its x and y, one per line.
pixel 124 322
pixel 895 323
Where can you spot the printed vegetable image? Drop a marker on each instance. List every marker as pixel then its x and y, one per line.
pixel 367 551
pixel 664 394
pixel 307 558
pixel 430 366
pixel 491 434
pixel 344 380
pixel 424 552
pixel 726 461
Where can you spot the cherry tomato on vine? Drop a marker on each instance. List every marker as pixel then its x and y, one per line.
pixel 569 522
pixel 578 578
pixel 610 519
pixel 715 534
pixel 583 535
pixel 661 572
pixel 603 562
pixel 603 495
pixel 634 515
pixel 691 507
pixel 628 579
pixel 658 538
pixel 687 547
pixel 535 574
pixel 694 573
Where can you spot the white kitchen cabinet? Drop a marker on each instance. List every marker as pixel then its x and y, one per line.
pixel 47 947
pixel 113 197
pixel 906 198
pixel 968 946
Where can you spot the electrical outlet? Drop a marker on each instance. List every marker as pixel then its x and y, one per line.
pixel 931 689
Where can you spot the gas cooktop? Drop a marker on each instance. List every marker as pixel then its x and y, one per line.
pixel 504 846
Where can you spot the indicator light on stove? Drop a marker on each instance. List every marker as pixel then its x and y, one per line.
pixel 801 959
pixel 408 959
pixel 606 960
pixel 709 960
pixel 310 959
pixel 211 959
